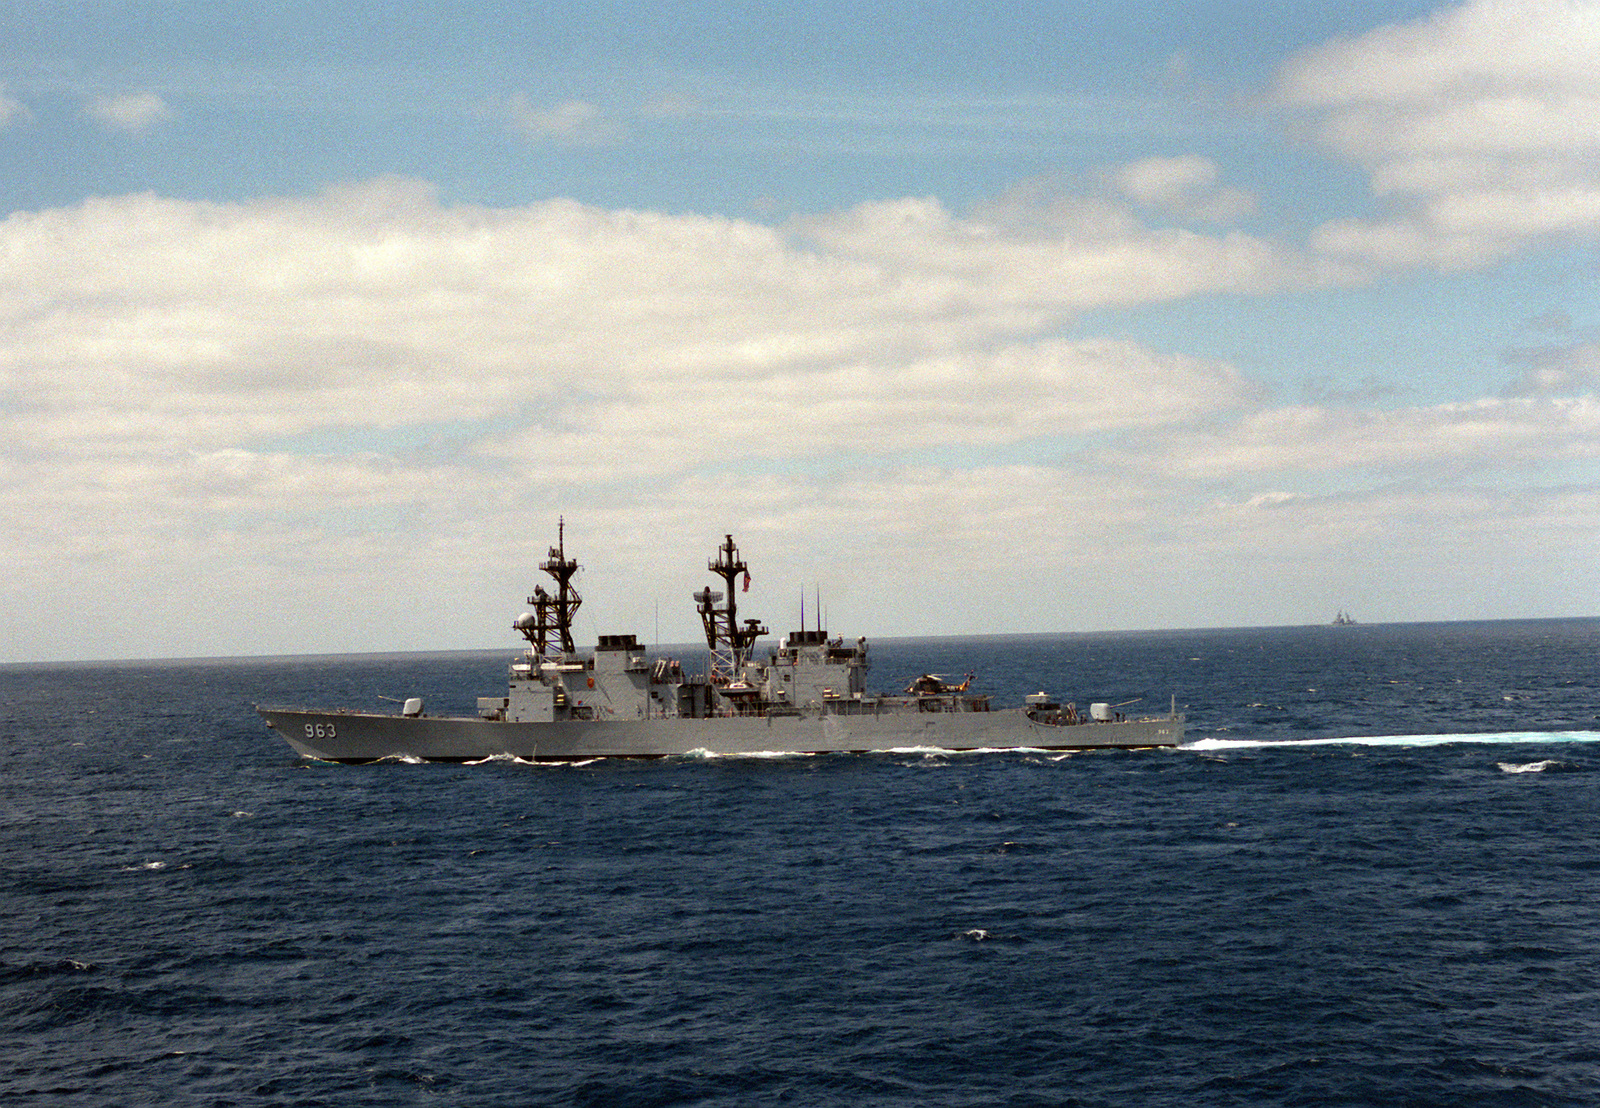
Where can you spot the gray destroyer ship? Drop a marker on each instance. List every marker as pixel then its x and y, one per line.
pixel 806 696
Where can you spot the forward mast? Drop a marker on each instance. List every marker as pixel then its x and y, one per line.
pixel 548 628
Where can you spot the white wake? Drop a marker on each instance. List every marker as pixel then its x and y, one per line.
pixel 1506 737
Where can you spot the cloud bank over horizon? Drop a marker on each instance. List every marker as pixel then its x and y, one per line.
pixel 349 419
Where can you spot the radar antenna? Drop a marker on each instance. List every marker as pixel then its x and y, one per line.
pixel 729 643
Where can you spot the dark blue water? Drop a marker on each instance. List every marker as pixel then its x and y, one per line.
pixel 1407 916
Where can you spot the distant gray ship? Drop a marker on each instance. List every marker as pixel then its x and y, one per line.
pixel 807 696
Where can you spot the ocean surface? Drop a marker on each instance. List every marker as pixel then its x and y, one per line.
pixel 1371 877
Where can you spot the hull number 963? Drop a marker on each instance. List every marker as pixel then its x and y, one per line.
pixel 319 731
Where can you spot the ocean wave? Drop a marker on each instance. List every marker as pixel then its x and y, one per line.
pixel 1529 767
pixel 14 970
pixel 947 752
pixel 702 754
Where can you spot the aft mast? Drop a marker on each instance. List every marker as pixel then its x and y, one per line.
pixel 548 628
pixel 729 643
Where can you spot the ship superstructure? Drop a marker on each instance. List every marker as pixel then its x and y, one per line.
pixel 808 695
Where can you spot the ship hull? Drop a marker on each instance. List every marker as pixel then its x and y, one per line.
pixel 370 737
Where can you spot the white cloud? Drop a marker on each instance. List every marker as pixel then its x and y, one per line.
pixel 1439 442
pixel 131 112
pixel 674 105
pixel 1186 186
pixel 581 340
pixel 1037 252
pixel 571 123
pixel 967 401
pixel 1553 370
pixel 367 386
pixel 1477 125
pixel 11 110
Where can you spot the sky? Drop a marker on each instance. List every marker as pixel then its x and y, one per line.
pixel 1071 316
